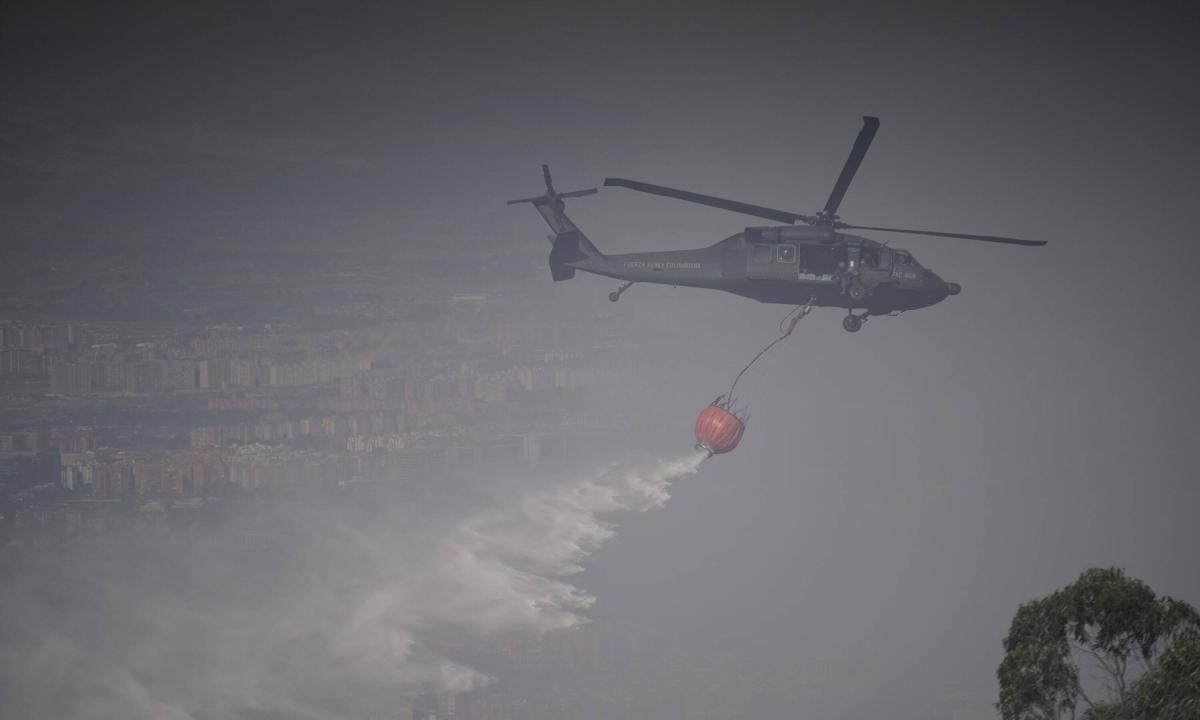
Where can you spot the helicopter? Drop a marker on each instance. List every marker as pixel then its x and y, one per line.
pixel 807 261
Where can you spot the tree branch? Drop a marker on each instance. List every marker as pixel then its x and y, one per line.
pixel 1110 669
pixel 1086 699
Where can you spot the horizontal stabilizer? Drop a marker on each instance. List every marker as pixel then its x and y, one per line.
pixel 565 250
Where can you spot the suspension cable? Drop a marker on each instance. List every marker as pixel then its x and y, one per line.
pixel 786 326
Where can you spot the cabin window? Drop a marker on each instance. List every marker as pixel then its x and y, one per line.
pixel 785 253
pixel 762 253
pixel 885 258
pixel 823 259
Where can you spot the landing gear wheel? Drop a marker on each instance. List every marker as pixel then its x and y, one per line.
pixel 857 292
pixel 852 323
pixel 615 296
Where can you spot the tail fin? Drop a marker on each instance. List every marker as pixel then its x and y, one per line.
pixel 568 247
pixel 569 244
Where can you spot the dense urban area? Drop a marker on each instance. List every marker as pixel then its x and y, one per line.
pixel 147 395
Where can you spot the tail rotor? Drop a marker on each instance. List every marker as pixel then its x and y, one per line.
pixel 569 246
pixel 551 194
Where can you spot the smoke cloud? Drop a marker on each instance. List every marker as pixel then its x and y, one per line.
pixel 305 608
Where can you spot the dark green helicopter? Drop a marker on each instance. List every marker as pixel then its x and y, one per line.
pixel 794 265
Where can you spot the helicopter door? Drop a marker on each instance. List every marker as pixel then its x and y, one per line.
pixel 885 259
pixel 772 261
pixel 820 262
pixel 762 256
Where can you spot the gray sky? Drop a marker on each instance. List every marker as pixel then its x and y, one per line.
pixel 900 490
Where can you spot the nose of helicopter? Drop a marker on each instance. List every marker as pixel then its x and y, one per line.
pixel 939 288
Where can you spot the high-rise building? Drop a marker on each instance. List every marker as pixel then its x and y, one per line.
pixel 72 379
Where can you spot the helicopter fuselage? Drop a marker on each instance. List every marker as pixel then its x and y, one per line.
pixel 789 265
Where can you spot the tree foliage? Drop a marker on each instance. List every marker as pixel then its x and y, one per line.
pixel 1104 617
pixel 1168 691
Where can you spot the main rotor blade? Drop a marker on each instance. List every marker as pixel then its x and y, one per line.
pixel 960 236
pixel 722 203
pixel 861 143
pixel 578 193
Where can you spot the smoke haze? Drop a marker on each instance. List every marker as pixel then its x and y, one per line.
pixel 312 611
pixel 899 492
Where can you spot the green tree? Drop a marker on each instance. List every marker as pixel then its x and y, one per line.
pixel 1104 619
pixel 1168 691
